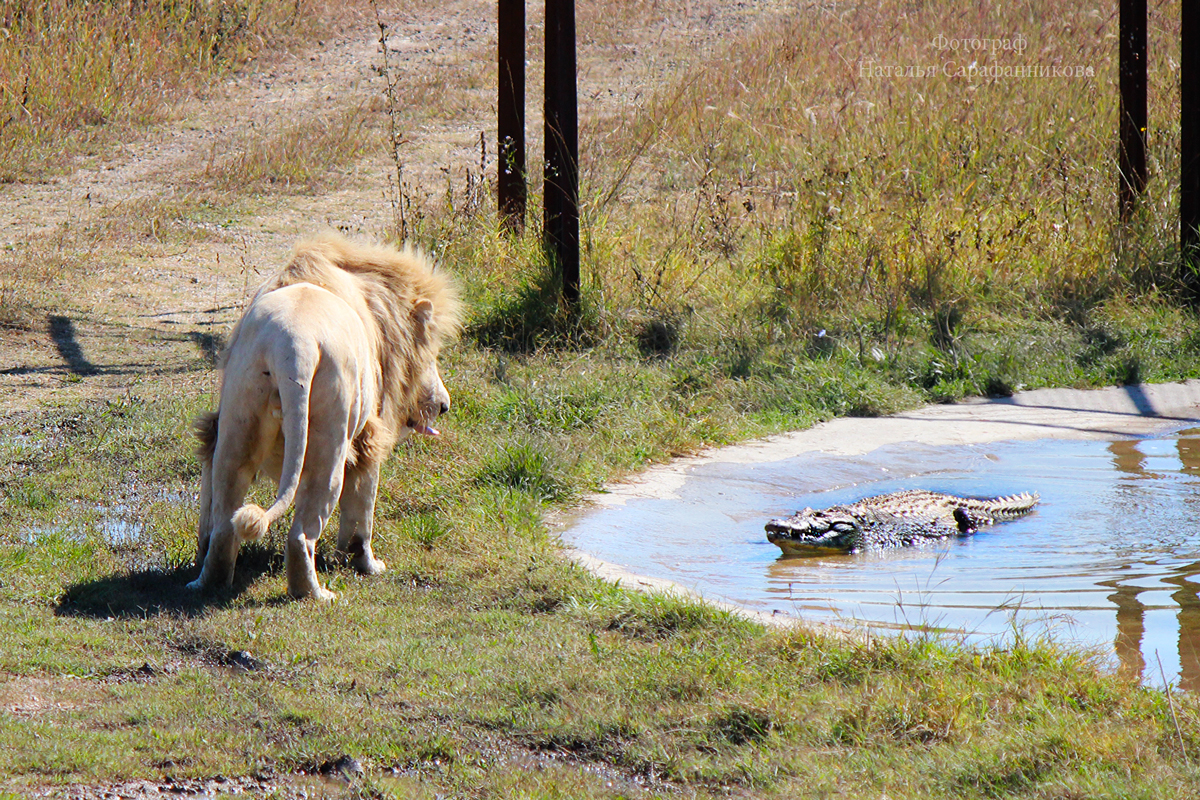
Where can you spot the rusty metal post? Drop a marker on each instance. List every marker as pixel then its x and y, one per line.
pixel 1189 152
pixel 1131 159
pixel 510 114
pixel 562 147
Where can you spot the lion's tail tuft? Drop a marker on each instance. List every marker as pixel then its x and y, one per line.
pixel 250 522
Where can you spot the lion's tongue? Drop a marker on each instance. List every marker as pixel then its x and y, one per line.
pixel 425 430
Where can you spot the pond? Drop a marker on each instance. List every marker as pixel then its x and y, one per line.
pixel 1109 559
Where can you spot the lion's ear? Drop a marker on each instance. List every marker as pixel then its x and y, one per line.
pixel 423 313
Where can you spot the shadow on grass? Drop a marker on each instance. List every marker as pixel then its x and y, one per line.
pixel 147 592
pixel 536 318
pixel 62 333
pixel 211 345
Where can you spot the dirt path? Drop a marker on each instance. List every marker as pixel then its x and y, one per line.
pixel 153 304
pixel 128 288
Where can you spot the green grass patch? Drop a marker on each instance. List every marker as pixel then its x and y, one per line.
pixel 480 651
pixel 769 242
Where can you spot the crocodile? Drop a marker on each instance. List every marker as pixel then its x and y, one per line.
pixel 897 519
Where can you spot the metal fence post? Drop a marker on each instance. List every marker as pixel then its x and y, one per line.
pixel 510 114
pixel 1189 151
pixel 562 146
pixel 1131 159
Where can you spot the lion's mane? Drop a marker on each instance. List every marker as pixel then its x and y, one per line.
pixel 383 284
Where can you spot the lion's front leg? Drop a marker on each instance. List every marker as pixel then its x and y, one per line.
pixel 357 517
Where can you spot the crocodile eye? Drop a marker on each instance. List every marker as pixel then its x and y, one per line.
pixel 842 526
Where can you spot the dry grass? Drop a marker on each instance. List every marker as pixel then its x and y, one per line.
pixel 70 72
pixel 793 167
pixel 293 155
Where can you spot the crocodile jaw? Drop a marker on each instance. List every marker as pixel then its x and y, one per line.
pixel 809 532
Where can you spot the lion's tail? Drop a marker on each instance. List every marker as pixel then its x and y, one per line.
pixel 251 521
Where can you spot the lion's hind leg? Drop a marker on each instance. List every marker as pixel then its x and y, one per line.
pixel 359 489
pixel 320 485
pixel 312 512
pixel 231 468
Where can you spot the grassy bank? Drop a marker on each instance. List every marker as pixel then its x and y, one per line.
pixel 772 238
pixel 482 663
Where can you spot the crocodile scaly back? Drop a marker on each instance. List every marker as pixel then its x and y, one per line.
pixel 897 519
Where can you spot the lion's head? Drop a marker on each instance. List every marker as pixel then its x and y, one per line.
pixel 432 401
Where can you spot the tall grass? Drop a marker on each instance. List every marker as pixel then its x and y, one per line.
pixel 69 69
pixel 795 176
pixel 798 211
pixel 295 156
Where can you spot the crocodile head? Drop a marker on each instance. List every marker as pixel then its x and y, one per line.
pixel 809 532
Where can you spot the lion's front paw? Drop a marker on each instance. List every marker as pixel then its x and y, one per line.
pixel 197 585
pixel 312 592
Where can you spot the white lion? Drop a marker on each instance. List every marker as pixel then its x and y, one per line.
pixel 334 361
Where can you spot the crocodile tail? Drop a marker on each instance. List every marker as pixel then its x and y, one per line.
pixel 1014 505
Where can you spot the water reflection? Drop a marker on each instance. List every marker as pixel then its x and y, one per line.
pixel 1109 558
pixel 1131 626
pixel 1130 460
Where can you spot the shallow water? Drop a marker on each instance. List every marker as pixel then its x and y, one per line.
pixel 1110 557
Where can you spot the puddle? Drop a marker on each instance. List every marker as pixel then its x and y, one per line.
pixel 119 525
pixel 138 525
pixel 1110 558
